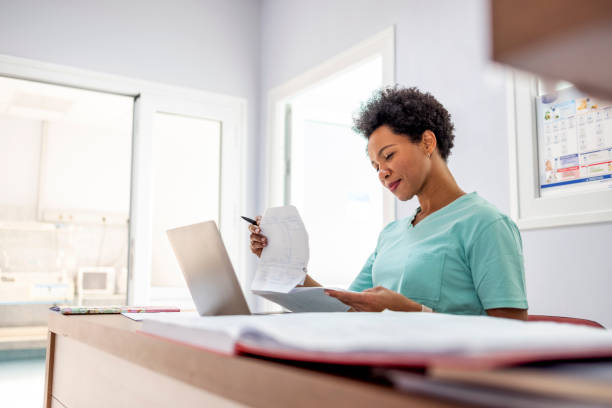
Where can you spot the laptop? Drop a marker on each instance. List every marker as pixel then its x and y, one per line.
pixel 208 270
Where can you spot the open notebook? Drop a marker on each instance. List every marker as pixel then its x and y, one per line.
pixel 385 339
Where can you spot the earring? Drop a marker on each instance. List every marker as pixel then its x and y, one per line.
pixel 429 155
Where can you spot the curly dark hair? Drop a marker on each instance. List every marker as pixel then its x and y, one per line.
pixel 409 112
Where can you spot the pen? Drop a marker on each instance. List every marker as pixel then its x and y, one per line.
pixel 249 220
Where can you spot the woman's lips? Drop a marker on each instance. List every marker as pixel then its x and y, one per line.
pixel 394 185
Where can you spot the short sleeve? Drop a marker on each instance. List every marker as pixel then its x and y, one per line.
pixel 496 262
pixel 363 281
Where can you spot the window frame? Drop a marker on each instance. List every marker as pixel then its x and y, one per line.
pixel 277 166
pixel 528 210
pixel 150 97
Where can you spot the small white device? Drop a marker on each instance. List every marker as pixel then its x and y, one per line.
pixel 96 280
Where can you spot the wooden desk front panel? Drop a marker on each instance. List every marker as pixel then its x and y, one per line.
pixel 84 376
pixel 103 361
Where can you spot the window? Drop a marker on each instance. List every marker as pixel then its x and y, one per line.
pixel 321 166
pixel 186 176
pixel 65 169
pixel 158 124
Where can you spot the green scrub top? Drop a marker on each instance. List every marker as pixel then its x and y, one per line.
pixel 464 258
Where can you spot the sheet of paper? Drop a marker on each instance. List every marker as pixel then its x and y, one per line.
pixel 305 299
pixel 134 316
pixel 142 316
pixel 425 332
pixel 283 261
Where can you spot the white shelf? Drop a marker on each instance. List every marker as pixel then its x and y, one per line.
pixel 27 226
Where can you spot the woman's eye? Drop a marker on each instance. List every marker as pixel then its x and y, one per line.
pixel 389 156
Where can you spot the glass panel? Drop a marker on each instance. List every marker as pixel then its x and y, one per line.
pixel 186 183
pixel 65 165
pixel 333 183
pixel 342 208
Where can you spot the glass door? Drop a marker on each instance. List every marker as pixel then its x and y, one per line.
pixel 65 174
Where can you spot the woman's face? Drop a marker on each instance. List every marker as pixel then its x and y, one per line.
pixel 401 164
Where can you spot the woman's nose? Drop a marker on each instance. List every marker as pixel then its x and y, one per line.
pixel 383 173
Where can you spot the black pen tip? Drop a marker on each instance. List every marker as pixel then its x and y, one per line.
pixel 249 220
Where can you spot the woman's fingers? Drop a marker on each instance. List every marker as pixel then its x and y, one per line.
pixel 353 299
pixel 257 241
pixel 256 246
pixel 348 296
pixel 255 233
pixel 261 239
pixel 258 237
pixel 254 229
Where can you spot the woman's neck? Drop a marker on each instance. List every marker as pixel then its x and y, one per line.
pixel 439 190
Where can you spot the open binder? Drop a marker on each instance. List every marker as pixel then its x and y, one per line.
pixel 390 339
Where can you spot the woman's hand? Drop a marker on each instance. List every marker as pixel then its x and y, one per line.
pixel 375 300
pixel 258 241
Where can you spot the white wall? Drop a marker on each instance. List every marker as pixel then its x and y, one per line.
pixel 442 47
pixel 19 158
pixel 204 44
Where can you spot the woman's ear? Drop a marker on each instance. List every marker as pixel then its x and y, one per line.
pixel 429 142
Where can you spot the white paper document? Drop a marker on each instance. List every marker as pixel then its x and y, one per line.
pixel 282 265
pixel 305 299
pixel 283 261
pixel 141 316
pixel 134 316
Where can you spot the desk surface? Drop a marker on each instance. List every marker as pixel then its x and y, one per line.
pixel 244 380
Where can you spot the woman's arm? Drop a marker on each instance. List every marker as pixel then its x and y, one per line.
pixel 498 271
pixel 509 313
pixel 379 298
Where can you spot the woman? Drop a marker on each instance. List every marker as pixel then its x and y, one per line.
pixel 457 253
